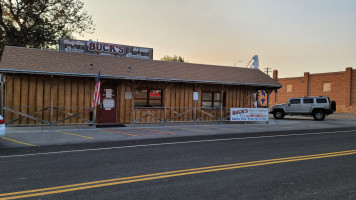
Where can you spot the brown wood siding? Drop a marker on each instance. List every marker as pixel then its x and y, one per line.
pixel 61 97
pixel 128 105
pixel 47 99
pixel 88 85
pixel 81 103
pixel 32 98
pixel 190 101
pixel 29 94
pixel 54 98
pixel 39 100
pixel 74 99
pixel 67 97
pixel 24 98
pixel 172 103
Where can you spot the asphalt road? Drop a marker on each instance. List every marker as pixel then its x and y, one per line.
pixel 292 165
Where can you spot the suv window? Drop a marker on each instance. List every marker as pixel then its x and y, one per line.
pixel 308 100
pixel 295 101
pixel 321 100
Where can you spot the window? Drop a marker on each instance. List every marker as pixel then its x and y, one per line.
pixel 289 88
pixel 321 100
pixel 295 101
pixel 308 100
pixel 211 99
pixel 326 87
pixel 148 98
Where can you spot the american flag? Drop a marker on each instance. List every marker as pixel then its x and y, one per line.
pixel 96 99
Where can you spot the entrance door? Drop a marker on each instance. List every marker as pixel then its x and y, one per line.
pixel 107 112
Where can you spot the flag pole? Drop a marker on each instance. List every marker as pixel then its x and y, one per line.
pixel 96 99
pixel 94 117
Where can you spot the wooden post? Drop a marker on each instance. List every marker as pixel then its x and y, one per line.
pixel 165 107
pixel 132 115
pixel 2 98
pixel 245 103
pixel 221 114
pixel 51 96
pixel 133 103
pixel 195 112
pixel 94 117
pixel 257 98
pixel 268 93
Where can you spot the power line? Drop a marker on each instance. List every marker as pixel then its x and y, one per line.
pixel 267 70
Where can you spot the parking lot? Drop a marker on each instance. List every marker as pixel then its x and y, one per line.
pixel 45 136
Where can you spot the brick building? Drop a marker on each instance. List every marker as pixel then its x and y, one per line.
pixel 339 86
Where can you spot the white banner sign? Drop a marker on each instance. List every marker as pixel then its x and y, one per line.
pixel 249 114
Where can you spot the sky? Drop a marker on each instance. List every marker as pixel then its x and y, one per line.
pixel 291 36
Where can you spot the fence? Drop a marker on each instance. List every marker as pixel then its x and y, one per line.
pixel 56 115
pixel 164 115
pixel 51 116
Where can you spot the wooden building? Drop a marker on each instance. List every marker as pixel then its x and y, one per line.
pixel 42 87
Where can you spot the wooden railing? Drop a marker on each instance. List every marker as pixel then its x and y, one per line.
pixel 164 115
pixel 55 115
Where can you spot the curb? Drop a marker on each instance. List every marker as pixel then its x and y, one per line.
pixel 167 140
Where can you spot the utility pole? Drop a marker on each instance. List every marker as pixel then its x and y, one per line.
pixel 267 70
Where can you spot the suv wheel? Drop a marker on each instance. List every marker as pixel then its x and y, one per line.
pixel 319 115
pixel 278 114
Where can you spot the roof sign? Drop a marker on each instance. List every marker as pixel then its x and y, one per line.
pixel 100 48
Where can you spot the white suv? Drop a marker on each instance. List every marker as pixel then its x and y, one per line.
pixel 2 126
pixel 318 107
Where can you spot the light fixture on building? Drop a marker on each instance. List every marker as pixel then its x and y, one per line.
pixel 91 66
pixel 129 69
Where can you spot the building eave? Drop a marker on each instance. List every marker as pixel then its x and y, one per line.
pixel 272 86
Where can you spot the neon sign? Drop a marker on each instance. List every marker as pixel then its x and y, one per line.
pixel 155 94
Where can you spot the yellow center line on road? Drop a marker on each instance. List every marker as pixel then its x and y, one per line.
pixel 28 144
pixel 74 134
pixel 190 129
pixel 169 174
pixel 119 132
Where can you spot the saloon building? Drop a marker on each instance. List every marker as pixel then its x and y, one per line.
pixel 44 87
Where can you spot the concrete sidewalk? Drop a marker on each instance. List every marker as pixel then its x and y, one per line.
pixel 62 135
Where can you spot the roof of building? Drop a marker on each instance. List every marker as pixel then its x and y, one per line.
pixel 48 62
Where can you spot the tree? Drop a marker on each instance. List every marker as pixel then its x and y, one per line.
pixel 174 58
pixel 40 23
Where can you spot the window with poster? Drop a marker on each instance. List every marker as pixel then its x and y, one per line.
pixel 148 98
pixel 212 100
